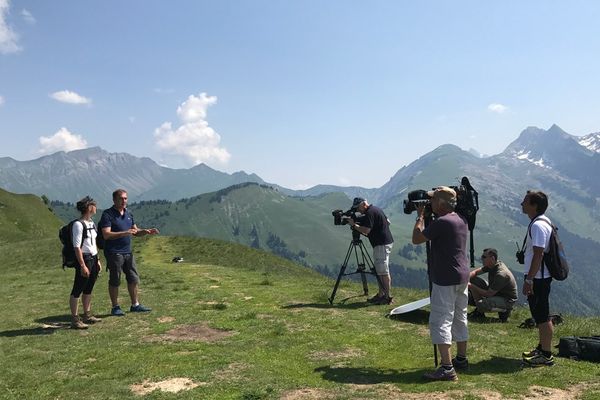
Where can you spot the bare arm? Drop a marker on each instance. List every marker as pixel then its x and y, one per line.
pixel 536 263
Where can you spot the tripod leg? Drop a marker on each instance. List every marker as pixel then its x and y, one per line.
pixel 342 270
pixel 368 261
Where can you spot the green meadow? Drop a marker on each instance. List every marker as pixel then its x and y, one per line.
pixel 231 322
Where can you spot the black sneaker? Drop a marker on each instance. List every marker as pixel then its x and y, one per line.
pixel 539 360
pixel 503 315
pixel 475 315
pixel 532 353
pixel 460 364
pixel 384 300
pixel 374 299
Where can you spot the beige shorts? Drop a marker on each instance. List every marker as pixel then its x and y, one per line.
pixel 381 258
pixel 448 317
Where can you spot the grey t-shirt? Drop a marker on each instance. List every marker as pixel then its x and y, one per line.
pixel 448 236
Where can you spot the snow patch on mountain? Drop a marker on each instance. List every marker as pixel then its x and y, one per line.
pixel 591 142
pixel 523 155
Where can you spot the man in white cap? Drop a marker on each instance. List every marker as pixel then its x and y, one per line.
pixel 449 276
pixel 376 226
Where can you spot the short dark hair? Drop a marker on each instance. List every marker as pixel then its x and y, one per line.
pixel 539 199
pixel 83 204
pixel 118 193
pixel 491 251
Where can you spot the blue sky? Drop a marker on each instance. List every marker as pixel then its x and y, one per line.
pixel 298 92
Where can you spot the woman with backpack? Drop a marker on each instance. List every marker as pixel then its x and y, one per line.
pixel 87 267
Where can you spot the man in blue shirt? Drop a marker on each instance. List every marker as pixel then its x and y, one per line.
pixel 117 226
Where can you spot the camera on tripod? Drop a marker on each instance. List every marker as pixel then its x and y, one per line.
pixel 342 217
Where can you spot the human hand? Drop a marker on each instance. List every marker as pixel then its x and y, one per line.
pixel 527 289
pixel 152 231
pixel 85 272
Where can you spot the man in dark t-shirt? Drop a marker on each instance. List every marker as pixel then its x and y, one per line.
pixel 117 227
pixel 449 276
pixel 376 226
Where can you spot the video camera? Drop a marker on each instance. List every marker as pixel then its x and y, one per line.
pixel 467 201
pixel 341 217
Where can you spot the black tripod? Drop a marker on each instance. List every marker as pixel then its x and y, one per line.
pixel 362 263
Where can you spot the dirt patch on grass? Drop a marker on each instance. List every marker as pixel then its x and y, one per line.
pixel 192 333
pixel 233 372
pixel 173 385
pixel 165 319
pixel 391 392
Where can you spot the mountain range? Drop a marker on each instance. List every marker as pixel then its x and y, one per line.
pixel 299 225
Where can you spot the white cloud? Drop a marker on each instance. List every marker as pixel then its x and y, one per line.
pixel 497 108
pixel 194 139
pixel 1 100
pixel 30 19
pixel 194 108
pixel 66 96
pixel 61 140
pixel 8 38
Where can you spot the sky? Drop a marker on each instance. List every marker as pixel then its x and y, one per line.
pixel 299 92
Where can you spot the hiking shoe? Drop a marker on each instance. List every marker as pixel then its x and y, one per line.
pixel 460 364
pixel 116 311
pixel 532 353
pixel 441 374
pixel 139 308
pixel 77 323
pixel 475 315
pixel 90 319
pixel 539 360
pixel 374 299
pixel 503 315
pixel 384 300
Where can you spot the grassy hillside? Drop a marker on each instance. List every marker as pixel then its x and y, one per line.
pixel 232 322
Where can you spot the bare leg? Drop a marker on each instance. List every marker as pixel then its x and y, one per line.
pixel 133 293
pixel 545 332
pixel 86 300
pixel 74 305
pixel 113 292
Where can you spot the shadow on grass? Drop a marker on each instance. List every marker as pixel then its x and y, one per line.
pixel 496 365
pixel 418 317
pixel 48 325
pixel 369 376
pixel 342 304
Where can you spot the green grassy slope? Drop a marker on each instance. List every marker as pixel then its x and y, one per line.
pixel 244 324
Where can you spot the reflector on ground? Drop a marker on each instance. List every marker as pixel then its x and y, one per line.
pixel 415 305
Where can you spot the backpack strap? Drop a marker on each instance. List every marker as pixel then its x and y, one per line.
pixel 540 218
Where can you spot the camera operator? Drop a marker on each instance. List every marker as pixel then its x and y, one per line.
pixel 375 225
pixel 449 277
pixel 499 293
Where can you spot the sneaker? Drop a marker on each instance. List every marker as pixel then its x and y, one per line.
pixel 90 319
pixel 77 323
pixel 139 308
pixel 116 311
pixel 460 364
pixel 503 315
pixel 475 315
pixel 532 353
pixel 374 299
pixel 539 360
pixel 441 374
pixel 384 300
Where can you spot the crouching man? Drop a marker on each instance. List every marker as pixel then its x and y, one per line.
pixel 498 294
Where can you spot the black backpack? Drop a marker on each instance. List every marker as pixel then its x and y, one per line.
pixel 585 348
pixel 555 259
pixel 65 234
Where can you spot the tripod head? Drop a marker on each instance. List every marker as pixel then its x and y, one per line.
pixel 355 236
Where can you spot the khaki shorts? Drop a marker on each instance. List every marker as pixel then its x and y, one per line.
pixel 381 258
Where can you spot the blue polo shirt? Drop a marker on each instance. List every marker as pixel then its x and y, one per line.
pixel 118 223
